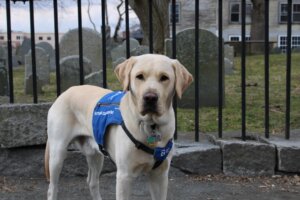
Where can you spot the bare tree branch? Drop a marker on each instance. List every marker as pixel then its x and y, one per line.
pixel 118 26
pixel 89 15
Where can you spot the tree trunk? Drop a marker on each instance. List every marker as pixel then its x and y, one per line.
pixel 258 26
pixel 160 20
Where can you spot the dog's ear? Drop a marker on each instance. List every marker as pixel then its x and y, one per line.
pixel 122 72
pixel 183 78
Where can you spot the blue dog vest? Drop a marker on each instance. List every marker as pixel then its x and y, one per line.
pixel 107 113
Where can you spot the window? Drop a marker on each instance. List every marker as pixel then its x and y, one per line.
pixel 48 38
pixel 236 12
pixel 282 43
pixel 234 38
pixel 18 37
pixel 177 13
pixel 237 38
pixel 283 10
pixel 296 12
pixel 40 38
pixel 1 37
pixel 296 41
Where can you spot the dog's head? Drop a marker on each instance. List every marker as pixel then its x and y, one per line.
pixel 152 81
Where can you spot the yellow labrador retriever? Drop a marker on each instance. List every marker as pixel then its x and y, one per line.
pixel 140 144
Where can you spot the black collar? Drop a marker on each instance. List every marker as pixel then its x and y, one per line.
pixel 142 146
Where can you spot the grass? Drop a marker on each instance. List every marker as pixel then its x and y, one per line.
pixel 232 110
pixel 255 104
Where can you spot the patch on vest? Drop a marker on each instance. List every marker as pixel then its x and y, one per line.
pixel 161 153
pixel 106 113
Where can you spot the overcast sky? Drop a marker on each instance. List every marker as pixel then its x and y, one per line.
pixel 67 15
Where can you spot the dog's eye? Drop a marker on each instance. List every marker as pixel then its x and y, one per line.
pixel 163 78
pixel 140 77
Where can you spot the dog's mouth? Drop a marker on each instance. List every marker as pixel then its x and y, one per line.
pixel 150 103
pixel 149 109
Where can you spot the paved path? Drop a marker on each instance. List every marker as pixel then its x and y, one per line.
pixel 181 187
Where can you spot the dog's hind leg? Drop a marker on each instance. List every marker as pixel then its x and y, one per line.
pixel 57 155
pixel 95 163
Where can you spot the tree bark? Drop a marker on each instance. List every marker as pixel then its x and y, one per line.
pixel 257 26
pixel 160 21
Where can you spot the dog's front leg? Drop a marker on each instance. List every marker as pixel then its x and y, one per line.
pixel 124 185
pixel 158 183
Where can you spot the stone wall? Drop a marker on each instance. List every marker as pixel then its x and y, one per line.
pixel 23 137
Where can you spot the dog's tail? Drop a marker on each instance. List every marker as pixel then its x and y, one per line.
pixel 46 162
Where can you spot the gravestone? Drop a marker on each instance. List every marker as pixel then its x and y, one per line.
pixel 4 56
pixel 117 62
pixel 29 84
pixel 3 79
pixel 91 42
pixel 23 50
pixel 133 43
pixel 208 66
pixel 69 69
pixel 94 78
pixel 120 51
pixel 50 51
pixel 3 53
pixel 118 54
pixel 228 59
pixel 140 50
pixel 42 70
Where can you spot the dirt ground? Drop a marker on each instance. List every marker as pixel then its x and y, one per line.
pixel 181 187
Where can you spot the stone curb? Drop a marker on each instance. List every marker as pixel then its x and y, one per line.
pixel 288 152
pixel 248 158
pixel 198 158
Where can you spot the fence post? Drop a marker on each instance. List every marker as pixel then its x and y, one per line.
pixel 150 21
pixel 127 29
pixel 288 71
pixel 81 72
pixel 267 65
pixel 33 57
pixel 197 70
pixel 57 56
pixel 220 75
pixel 103 28
pixel 173 9
pixel 9 48
pixel 243 68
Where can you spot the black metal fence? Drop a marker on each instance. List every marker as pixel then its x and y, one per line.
pixel 197 53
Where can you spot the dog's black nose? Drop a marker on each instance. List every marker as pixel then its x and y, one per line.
pixel 150 98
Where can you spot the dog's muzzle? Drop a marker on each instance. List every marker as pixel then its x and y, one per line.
pixel 150 103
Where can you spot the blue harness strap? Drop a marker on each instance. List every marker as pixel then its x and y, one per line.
pixel 107 112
